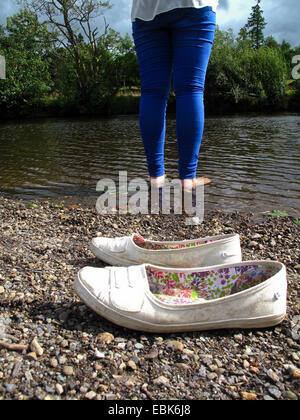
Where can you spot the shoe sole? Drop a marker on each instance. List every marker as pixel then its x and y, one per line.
pixel 127 322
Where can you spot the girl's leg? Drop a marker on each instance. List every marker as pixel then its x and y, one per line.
pixel 153 46
pixel 192 43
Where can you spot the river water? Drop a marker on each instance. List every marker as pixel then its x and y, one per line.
pixel 253 160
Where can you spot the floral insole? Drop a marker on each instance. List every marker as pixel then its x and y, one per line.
pixel 184 288
pixel 142 243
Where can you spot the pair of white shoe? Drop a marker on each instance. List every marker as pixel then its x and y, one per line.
pixel 193 285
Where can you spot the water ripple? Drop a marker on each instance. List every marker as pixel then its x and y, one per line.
pixel 254 161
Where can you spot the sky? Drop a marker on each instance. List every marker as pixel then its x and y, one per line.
pixel 282 16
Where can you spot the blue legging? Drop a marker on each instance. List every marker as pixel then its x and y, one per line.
pixel 178 41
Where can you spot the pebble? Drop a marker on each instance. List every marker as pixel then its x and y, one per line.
pixel 175 345
pixel 36 347
pixel 132 365
pixel 68 370
pixel 59 389
pixel 85 356
pixel 121 346
pixel 248 396
pixel 99 354
pixel 246 364
pixel 202 372
pixel 161 380
pixel 238 337
pixel 152 354
pixel 253 244
pixel 10 387
pixel 274 392
pixel 183 366
pixel 211 376
pixel 272 375
pixel 105 338
pixel 139 346
pixel 90 395
pixel 268 398
pixel 296 374
pixel 53 362
pixel 256 236
pixel 32 356
pixel 64 344
pixel 289 395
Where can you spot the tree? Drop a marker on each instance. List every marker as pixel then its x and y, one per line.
pixel 256 25
pixel 271 42
pixel 288 53
pixel 240 77
pixel 26 45
pixel 67 18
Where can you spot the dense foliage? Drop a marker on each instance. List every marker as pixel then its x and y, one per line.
pixel 54 66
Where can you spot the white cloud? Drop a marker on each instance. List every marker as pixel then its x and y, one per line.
pixel 282 17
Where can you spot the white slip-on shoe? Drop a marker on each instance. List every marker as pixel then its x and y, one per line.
pixel 149 298
pixel 134 249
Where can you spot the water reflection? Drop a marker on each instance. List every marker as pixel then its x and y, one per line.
pixel 252 160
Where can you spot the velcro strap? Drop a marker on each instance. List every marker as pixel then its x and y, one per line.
pixel 127 288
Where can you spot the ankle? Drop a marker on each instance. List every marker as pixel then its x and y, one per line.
pixel 193 183
pixel 157 182
pixel 188 184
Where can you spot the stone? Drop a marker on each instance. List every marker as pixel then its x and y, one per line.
pixel 68 370
pixel 132 365
pixel 99 355
pixel 161 380
pixel 139 346
pixel 59 389
pixel 53 362
pixel 36 347
pixel 246 364
pixel 273 376
pixel 253 244
pixel 10 387
pixel 274 392
pixel 90 395
pixel 248 396
pixel 238 337
pixel 64 343
pixel 105 338
pixel 175 345
pixel 32 356
pixel 289 395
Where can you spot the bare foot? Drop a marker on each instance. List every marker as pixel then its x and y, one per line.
pixel 158 182
pixel 202 181
pixel 190 184
pixel 186 183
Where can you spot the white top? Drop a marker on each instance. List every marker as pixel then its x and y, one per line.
pixel 148 9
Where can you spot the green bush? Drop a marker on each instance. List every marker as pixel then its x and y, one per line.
pixel 25 44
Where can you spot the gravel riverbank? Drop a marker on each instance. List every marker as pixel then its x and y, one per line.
pixel 53 347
